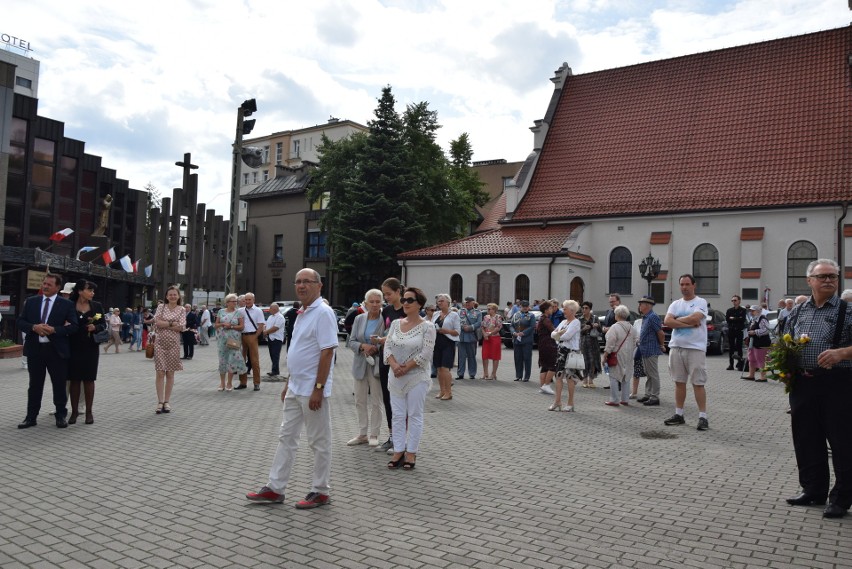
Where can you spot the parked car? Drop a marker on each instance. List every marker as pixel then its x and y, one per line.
pixel 341 319
pixel 506 335
pixel 717 333
pixel 634 316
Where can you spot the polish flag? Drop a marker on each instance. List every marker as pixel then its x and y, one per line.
pixel 109 256
pixel 62 234
pixel 136 265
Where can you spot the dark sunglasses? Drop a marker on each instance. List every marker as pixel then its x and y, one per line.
pixel 409 300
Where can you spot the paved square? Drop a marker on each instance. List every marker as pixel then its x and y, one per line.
pixel 500 481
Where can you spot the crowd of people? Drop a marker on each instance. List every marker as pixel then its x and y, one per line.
pixel 400 342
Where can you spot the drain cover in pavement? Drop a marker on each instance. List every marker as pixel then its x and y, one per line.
pixel 657 435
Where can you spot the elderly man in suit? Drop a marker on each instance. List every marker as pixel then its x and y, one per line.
pixel 48 320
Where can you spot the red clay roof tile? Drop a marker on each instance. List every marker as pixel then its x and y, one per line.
pixel 503 242
pixel 760 125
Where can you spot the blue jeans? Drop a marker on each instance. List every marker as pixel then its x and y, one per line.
pixel 274 353
pixel 467 358
pixel 523 360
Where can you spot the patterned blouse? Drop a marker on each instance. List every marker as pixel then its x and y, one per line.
pixel 417 344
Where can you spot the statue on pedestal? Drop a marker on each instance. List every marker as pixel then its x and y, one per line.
pixel 103 220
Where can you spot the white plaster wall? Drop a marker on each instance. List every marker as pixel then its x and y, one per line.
pixel 781 229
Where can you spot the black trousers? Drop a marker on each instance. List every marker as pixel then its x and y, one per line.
pixel 47 361
pixel 274 353
pixel 820 413
pixel 384 372
pixel 188 344
pixel 735 345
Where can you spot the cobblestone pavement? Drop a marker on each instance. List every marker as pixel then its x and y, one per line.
pixel 500 481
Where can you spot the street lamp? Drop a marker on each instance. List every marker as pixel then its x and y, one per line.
pixel 649 268
pixel 248 107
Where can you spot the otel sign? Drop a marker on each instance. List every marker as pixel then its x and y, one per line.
pixel 18 43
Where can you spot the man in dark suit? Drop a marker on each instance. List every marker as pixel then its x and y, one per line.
pixel 188 335
pixel 48 321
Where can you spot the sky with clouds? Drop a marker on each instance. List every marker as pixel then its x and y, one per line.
pixel 143 83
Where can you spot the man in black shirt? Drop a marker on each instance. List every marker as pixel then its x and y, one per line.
pixel 736 317
pixel 290 321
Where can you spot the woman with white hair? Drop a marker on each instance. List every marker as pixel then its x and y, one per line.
pixel 621 340
pixel 114 321
pixel 229 323
pixel 363 341
pixel 447 328
pixel 568 334
pixel 759 341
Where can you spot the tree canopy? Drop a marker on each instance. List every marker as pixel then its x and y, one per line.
pixel 392 190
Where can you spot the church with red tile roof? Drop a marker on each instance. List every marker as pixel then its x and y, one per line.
pixel 732 165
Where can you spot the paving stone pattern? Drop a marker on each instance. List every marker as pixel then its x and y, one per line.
pixel 500 481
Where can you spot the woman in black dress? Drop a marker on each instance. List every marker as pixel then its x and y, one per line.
pixel 547 349
pixel 83 365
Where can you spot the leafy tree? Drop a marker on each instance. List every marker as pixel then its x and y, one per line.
pixel 466 188
pixel 391 191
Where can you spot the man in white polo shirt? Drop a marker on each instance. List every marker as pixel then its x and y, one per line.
pixel 253 324
pixel 310 366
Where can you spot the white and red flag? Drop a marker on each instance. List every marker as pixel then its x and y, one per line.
pixel 61 234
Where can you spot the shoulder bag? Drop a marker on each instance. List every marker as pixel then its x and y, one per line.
pixel 612 357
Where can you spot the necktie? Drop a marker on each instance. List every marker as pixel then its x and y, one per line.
pixel 45 310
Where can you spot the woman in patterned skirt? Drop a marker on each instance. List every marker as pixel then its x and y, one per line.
pixel 229 325
pixel 170 321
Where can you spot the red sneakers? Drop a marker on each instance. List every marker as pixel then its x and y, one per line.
pixel 312 500
pixel 265 495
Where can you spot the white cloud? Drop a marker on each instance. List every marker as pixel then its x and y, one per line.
pixel 143 83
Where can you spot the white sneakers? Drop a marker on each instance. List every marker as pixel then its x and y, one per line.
pixel 546 389
pixel 359 440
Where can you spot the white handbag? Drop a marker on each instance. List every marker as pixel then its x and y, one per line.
pixel 575 361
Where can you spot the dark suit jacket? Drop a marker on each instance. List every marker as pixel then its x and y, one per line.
pixel 63 318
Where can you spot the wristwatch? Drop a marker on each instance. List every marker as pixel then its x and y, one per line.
pixel 319 386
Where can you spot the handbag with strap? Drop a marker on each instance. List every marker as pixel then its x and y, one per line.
pixel 612 357
pixel 149 347
pixel 101 336
pixel 575 360
pixel 233 344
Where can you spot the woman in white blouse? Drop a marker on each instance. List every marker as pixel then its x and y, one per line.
pixel 408 351
pixel 568 336
pixel 447 328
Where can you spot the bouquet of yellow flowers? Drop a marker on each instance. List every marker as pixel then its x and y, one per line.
pixel 782 361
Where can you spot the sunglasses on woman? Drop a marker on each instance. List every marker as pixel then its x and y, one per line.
pixel 409 300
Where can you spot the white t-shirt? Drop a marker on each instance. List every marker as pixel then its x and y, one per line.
pixel 315 330
pixel 275 320
pixel 690 338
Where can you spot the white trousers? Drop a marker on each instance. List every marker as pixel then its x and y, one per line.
pixel 409 407
pixel 369 388
pixel 318 430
